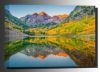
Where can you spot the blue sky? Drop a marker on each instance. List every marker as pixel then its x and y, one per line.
pixel 22 10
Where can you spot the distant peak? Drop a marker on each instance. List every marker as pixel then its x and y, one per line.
pixel 62 16
pixel 42 13
pixel 35 13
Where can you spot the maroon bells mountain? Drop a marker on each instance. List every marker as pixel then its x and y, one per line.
pixel 43 18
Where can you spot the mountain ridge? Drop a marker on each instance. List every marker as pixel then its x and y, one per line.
pixel 80 11
pixel 36 19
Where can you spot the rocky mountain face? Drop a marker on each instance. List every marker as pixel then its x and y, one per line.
pixel 80 11
pixel 42 18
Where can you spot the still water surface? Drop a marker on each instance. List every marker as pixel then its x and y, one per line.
pixel 50 52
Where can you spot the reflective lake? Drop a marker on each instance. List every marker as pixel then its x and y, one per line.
pixel 50 52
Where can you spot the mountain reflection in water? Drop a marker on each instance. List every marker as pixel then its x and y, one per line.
pixel 50 52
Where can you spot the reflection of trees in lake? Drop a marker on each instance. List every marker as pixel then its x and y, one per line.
pixel 80 50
